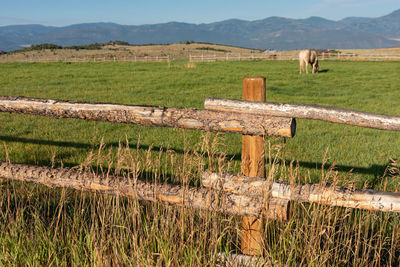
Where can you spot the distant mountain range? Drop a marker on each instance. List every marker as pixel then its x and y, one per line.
pixel 273 32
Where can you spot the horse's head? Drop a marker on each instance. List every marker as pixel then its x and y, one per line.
pixel 315 67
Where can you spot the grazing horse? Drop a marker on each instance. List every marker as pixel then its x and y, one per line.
pixel 308 56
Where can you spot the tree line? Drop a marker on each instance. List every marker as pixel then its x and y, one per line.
pixel 94 46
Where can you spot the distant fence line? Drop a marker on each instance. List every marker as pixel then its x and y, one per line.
pixel 204 58
pixel 278 56
pixel 90 59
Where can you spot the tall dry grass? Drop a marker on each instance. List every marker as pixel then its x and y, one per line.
pixel 44 226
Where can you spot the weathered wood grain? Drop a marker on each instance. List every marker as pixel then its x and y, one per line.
pixel 301 111
pixel 252 165
pixel 186 118
pixel 196 198
pixel 314 193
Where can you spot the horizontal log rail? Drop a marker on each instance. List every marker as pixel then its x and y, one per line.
pixel 302 111
pixel 196 198
pixel 185 118
pixel 226 193
pixel 314 193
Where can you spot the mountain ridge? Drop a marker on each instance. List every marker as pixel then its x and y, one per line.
pixel 272 32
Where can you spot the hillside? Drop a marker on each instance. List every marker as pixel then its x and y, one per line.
pixel 181 52
pixel 126 53
pixel 273 32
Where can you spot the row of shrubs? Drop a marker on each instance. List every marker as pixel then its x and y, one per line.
pixel 94 46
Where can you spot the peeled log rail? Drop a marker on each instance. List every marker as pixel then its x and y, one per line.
pixel 301 111
pixel 196 198
pixel 185 118
pixel 313 193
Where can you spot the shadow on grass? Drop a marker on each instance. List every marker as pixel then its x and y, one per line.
pixel 44 142
pixel 323 71
pixel 374 169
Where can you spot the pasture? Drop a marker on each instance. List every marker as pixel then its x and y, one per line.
pixel 44 226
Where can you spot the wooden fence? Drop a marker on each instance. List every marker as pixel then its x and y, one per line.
pixel 105 58
pixel 248 194
pixel 291 56
pixel 201 58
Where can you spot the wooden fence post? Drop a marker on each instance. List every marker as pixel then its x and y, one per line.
pixel 253 165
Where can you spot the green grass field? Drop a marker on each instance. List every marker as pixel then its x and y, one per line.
pixel 45 226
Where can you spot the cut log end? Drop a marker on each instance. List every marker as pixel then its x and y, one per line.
pixel 278 209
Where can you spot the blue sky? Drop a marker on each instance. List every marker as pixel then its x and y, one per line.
pixel 61 13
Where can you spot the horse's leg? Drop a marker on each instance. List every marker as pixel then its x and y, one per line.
pixel 301 65
pixel 306 67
